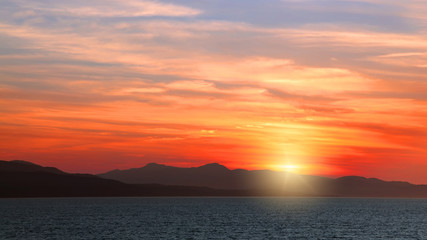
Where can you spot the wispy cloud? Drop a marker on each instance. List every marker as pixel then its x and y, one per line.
pixel 104 8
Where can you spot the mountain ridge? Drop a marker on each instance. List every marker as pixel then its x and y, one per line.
pixel 26 179
pixel 261 181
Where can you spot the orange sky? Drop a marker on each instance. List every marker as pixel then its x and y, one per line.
pixel 332 87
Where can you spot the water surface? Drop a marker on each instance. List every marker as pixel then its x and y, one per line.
pixel 213 218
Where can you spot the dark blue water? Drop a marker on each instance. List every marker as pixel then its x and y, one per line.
pixel 213 218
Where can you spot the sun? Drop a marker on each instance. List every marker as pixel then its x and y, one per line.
pixel 290 168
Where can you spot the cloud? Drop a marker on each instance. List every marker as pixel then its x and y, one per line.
pixel 299 97
pixel 412 95
pixel 105 8
pixel 405 59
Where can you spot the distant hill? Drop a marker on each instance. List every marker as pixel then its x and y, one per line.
pixel 354 186
pixel 24 166
pixel 25 179
pixel 211 175
pixel 265 182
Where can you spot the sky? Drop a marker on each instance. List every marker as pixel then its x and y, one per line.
pixel 322 87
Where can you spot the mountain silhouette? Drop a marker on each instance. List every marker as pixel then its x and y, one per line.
pixel 214 175
pixel 265 182
pixel 24 166
pixel 25 179
pixel 354 186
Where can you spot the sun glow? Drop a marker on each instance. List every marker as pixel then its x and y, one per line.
pixel 290 168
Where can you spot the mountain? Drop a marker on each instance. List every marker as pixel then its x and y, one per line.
pixel 215 175
pixel 211 175
pixel 354 186
pixel 24 166
pixel 265 182
pixel 25 179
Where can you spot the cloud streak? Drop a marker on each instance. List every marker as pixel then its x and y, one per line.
pixel 107 8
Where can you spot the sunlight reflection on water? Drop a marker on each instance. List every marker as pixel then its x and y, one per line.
pixel 213 218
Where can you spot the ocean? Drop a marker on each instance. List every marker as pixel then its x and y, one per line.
pixel 213 218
